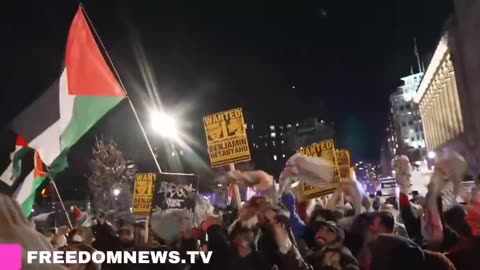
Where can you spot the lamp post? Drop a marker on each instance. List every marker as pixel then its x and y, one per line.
pixel 165 125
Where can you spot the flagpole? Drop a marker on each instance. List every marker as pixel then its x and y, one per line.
pixel 124 89
pixel 61 201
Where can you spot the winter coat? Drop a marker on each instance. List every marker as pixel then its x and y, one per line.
pixel 224 255
pixel 466 255
pixel 394 252
pixel 298 226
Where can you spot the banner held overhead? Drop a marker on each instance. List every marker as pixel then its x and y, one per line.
pixel 325 149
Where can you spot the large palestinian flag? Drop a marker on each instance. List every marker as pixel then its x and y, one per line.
pixel 84 93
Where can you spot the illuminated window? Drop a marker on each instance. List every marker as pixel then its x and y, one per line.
pixel 272 127
pixel 282 142
pixel 274 157
pixel 273 135
pixel 283 155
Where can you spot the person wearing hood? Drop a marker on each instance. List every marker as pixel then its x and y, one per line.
pixel 329 252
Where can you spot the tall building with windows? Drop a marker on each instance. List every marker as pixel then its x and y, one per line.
pixel 272 145
pixel 405 132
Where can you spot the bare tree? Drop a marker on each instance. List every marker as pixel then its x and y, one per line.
pixel 111 178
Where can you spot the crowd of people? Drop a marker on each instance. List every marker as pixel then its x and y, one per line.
pixel 349 232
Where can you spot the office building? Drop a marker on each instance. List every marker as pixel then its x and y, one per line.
pixel 272 145
pixel 405 132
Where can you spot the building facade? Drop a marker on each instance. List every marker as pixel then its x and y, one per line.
pixel 449 94
pixel 405 132
pixel 438 100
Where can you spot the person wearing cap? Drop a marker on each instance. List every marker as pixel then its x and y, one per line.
pixel 329 251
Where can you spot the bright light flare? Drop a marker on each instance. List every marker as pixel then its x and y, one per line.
pixel 116 192
pixel 431 155
pixel 165 125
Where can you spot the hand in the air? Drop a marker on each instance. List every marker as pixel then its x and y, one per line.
pixel 15 229
pixel 281 236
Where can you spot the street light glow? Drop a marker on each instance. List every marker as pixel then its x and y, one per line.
pixel 164 124
pixel 431 155
pixel 116 192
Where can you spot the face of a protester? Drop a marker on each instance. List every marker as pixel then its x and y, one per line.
pixel 244 239
pixel 269 216
pixel 325 236
pixel 376 227
pixel 126 236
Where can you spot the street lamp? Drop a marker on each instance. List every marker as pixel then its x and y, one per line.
pixel 164 124
pixel 431 155
pixel 116 192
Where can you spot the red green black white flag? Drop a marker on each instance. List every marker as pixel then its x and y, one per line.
pixel 85 91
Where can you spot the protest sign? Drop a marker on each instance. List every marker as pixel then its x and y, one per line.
pixel 175 191
pixel 325 149
pixel 388 186
pixel 226 137
pixel 143 195
pixel 343 160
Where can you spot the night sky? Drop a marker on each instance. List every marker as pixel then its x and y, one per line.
pixel 343 57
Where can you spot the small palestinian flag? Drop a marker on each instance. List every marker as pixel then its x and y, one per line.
pixel 84 93
pixel 25 193
pixel 13 171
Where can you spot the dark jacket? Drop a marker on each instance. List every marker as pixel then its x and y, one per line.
pixel 225 257
pixel 466 255
pixel 395 252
